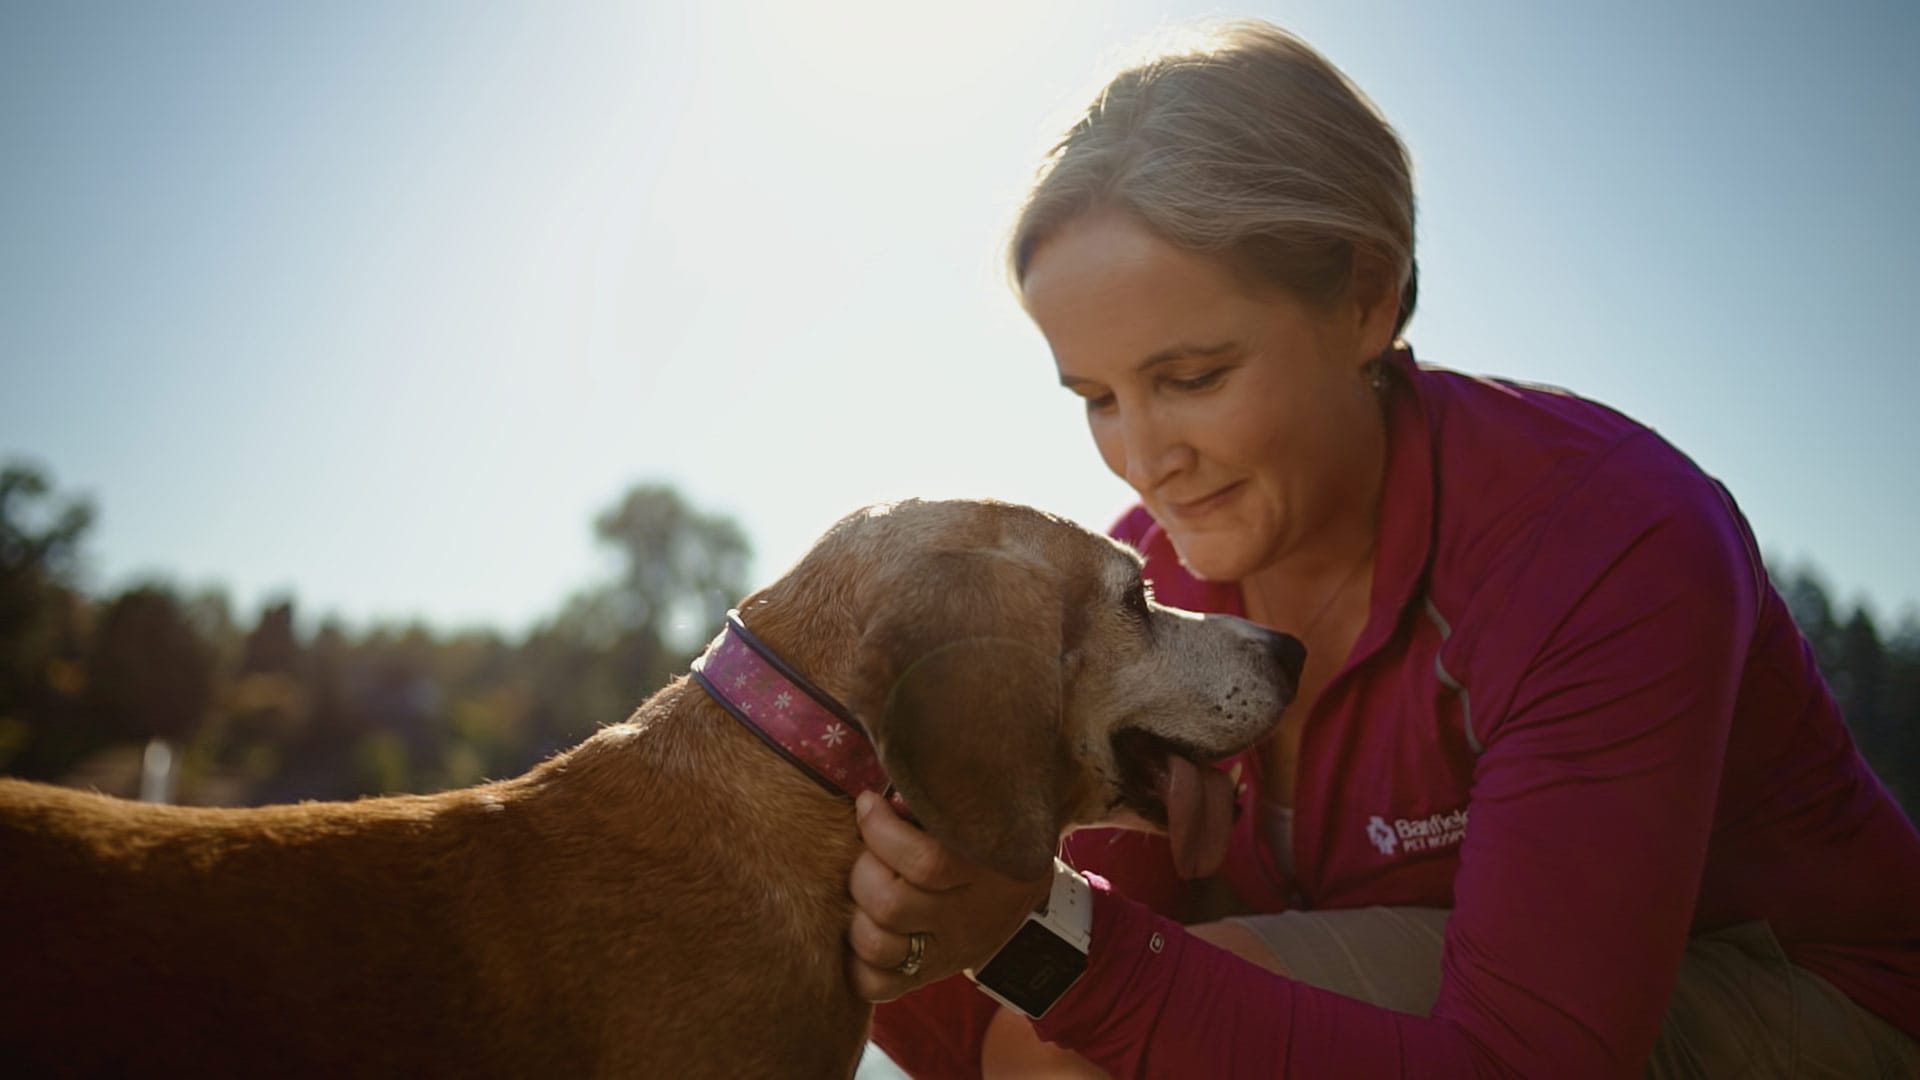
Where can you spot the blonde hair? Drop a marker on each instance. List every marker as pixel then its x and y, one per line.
pixel 1248 146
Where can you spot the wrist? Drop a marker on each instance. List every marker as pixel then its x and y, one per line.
pixel 1047 953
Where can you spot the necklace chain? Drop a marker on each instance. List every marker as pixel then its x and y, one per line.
pixel 1327 605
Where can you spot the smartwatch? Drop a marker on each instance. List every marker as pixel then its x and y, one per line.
pixel 1048 954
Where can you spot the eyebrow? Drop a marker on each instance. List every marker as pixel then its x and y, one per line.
pixel 1164 356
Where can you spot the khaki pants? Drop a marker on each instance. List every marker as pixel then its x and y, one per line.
pixel 1740 1009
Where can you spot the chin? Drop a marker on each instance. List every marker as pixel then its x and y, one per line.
pixel 1207 562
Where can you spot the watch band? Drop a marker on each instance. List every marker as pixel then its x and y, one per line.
pixel 1069 910
pixel 1047 954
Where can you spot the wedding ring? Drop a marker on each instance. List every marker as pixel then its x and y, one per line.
pixel 916 954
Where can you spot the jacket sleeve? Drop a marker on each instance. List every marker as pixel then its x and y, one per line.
pixel 1588 824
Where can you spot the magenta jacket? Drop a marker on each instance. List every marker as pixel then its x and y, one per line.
pixel 1579 716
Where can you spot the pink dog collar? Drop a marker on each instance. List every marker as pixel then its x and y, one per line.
pixel 801 722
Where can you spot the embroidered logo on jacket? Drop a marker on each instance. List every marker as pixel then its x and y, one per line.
pixel 1430 833
pixel 1381 834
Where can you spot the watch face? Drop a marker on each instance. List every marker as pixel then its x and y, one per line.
pixel 1033 968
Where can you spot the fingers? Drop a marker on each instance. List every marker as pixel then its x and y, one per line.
pixel 874 964
pixel 892 902
pixel 905 883
pixel 878 984
pixel 912 854
pixel 876 946
pixel 880 938
pixel 887 910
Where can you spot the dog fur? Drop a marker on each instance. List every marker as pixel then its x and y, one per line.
pixel 669 897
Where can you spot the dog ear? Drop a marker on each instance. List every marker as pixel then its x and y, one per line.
pixel 969 727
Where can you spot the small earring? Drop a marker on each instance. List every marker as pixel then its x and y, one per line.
pixel 1376 372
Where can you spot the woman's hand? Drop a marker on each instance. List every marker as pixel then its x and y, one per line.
pixel 907 883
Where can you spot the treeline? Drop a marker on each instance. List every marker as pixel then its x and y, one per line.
pixel 1875 678
pixel 258 711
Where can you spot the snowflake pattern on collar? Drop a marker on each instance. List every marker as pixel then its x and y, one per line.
pixel 788 715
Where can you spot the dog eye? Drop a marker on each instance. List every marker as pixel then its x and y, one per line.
pixel 1136 602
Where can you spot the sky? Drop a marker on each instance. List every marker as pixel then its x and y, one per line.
pixel 377 305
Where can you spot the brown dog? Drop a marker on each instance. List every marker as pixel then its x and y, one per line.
pixel 669 897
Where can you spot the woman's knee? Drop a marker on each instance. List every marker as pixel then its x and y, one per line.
pixel 1238 940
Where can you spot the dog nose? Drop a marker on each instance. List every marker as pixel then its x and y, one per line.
pixel 1289 653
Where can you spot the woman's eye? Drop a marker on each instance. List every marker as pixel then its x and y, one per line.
pixel 1200 382
pixel 1099 404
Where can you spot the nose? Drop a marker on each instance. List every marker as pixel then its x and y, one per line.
pixel 1289 653
pixel 1150 453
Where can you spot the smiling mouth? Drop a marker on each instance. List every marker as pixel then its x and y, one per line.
pixel 1205 503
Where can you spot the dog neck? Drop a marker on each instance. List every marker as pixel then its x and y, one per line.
pixel 798 720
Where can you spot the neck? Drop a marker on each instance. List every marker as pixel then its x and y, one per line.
pixel 1299 585
pixel 1341 536
pixel 692 810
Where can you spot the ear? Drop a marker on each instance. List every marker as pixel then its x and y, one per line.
pixel 1380 302
pixel 968 724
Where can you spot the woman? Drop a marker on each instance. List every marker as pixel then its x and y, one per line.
pixel 1562 792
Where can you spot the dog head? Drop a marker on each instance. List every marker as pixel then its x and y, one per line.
pixel 1019 679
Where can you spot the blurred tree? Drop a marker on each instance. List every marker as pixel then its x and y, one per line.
pixel 379 765
pixel 328 676
pixel 680 571
pixel 317 760
pixel 43 624
pixel 149 672
pixel 1806 596
pixel 272 648
pixel 275 718
pixel 486 709
pixel 40 534
pixel 260 706
pixel 210 612
pixel 402 703
pixel 1859 679
pixel 1872 683
pixel 684 569
pixel 1899 707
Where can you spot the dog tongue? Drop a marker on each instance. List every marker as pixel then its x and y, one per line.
pixel 1199 816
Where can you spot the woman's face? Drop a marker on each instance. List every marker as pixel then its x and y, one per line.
pixel 1242 417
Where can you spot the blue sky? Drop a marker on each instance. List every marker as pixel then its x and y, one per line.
pixel 378 304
